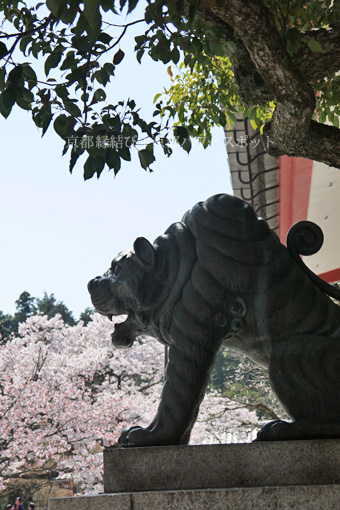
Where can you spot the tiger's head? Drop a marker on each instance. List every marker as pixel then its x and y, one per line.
pixel 127 288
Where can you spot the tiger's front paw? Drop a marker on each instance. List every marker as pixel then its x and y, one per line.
pixel 137 436
pixel 276 430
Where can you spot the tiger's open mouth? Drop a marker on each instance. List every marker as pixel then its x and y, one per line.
pixel 124 334
pixel 120 323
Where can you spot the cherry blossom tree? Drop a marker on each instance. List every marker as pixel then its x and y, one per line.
pixel 66 393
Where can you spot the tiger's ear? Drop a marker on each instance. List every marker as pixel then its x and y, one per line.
pixel 145 253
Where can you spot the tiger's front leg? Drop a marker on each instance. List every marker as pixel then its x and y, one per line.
pixel 187 376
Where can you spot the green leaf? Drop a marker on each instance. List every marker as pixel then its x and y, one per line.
pixel 192 12
pixel 232 46
pixel 16 74
pixel 157 96
pixel 113 160
pixel 3 50
pixel 68 14
pixel 102 76
pixel 92 13
pixel 61 125
pixel 29 75
pixel 331 117
pixel 253 124
pixel 52 61
pixel 322 117
pixel 115 123
pixel 297 11
pixel 3 109
pixel 105 38
pixel 94 33
pixel 231 117
pixel 124 153
pixel 25 105
pixel 26 94
pixel 74 76
pixel 118 57
pixel 89 168
pixel 69 61
pixel 107 5
pixel 163 54
pixel 215 48
pixel 314 45
pixel 93 165
pixel 100 95
pixel 56 7
pixel 182 137
pixel 186 145
pixel 24 43
pixel 109 68
pixel 293 38
pixel 82 44
pixel 61 91
pixel 46 123
pixel 222 119
pixel 181 132
pixel 8 98
pixel 294 35
pixel 81 25
pixel 132 5
pixel 175 55
pixel 139 55
pixel 53 6
pixel 2 78
pixel 73 159
pixel 99 164
pixel 35 49
pixel 146 158
pixel 72 108
pixel 140 40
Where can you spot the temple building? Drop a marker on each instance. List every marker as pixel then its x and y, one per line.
pixel 286 190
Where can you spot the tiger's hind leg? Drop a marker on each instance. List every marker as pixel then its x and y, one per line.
pixel 304 371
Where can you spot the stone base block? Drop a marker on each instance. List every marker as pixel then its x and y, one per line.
pixel 222 466
pixel 317 497
pixel 303 475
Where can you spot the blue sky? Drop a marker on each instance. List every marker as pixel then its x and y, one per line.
pixel 59 231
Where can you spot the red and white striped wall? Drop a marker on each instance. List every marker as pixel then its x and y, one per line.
pixel 309 190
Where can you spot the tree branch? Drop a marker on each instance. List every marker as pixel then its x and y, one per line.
pixel 321 143
pixel 254 24
pixel 291 130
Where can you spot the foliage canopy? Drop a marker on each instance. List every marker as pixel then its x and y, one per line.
pixel 28 306
pixel 275 61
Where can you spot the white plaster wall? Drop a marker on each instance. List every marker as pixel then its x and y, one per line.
pixel 324 209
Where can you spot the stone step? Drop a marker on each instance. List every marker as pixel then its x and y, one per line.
pixel 315 497
pixel 281 463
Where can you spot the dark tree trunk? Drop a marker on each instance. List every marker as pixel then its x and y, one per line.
pixel 264 70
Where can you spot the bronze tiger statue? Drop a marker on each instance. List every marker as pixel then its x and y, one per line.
pixel 222 277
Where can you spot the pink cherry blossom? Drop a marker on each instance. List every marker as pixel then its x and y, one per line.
pixel 66 392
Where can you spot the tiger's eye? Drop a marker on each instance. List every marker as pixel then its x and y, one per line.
pixel 116 269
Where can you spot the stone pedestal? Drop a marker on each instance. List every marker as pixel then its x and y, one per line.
pixel 272 475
